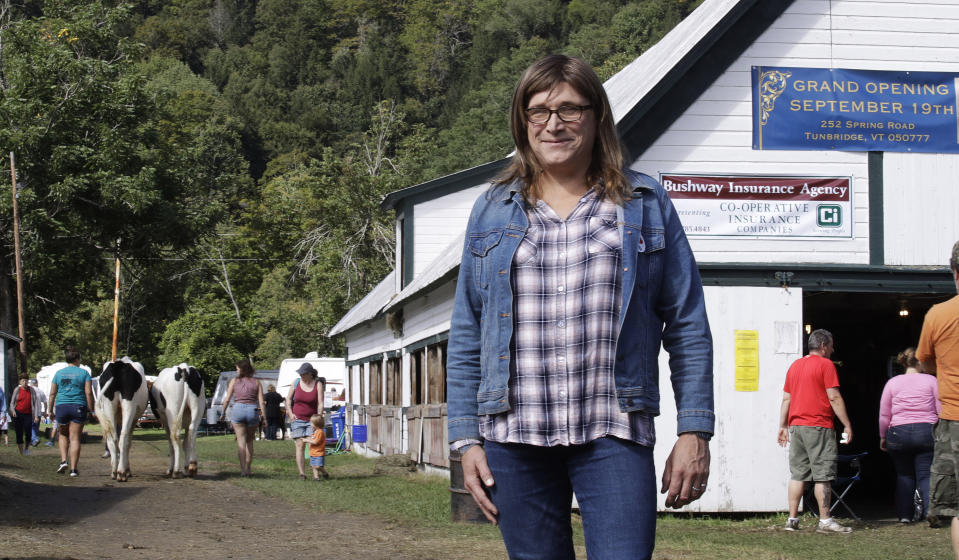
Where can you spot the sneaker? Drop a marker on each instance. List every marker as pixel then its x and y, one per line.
pixel 49 444
pixel 63 467
pixel 832 526
pixel 106 454
pixel 934 522
pixel 904 521
pixel 792 524
pixel 26 450
pixel 74 473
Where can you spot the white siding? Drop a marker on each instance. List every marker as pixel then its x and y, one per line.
pixel 715 134
pixel 749 472
pixel 428 314
pixel 438 221
pixel 921 201
pixel 370 338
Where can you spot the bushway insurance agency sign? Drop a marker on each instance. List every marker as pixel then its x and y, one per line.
pixel 723 205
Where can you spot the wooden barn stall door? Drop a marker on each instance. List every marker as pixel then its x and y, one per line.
pixel 385 429
pixel 428 434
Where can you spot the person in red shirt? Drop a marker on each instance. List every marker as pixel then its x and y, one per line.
pixel 810 399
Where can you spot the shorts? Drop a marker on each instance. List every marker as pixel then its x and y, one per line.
pixel 244 413
pixel 317 461
pixel 76 413
pixel 943 474
pixel 301 429
pixel 812 453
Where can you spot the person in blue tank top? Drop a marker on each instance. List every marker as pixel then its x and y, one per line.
pixel 71 397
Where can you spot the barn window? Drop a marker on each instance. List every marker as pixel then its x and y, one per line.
pixel 417 375
pixel 436 372
pixel 376 382
pixel 394 381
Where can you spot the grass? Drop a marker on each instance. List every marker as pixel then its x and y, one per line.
pixel 419 500
pixel 420 503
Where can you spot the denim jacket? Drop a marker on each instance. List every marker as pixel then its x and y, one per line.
pixel 662 304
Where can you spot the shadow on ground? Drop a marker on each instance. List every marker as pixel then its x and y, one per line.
pixel 30 504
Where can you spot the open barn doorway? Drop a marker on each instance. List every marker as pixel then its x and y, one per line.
pixel 870 329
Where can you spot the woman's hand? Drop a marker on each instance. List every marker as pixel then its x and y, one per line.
pixel 477 478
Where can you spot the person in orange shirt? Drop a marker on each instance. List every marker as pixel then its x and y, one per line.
pixel 318 447
pixel 938 351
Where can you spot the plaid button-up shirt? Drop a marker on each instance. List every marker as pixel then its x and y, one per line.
pixel 567 283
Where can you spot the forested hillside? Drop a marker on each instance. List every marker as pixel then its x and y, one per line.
pixel 234 154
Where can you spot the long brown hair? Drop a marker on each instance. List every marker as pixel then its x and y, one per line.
pixel 244 368
pixel 605 173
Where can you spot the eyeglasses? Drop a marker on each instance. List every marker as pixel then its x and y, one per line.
pixel 566 113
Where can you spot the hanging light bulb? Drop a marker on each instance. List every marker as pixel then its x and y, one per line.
pixel 903 310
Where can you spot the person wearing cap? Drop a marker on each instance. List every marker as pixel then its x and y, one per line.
pixel 938 351
pixel 303 401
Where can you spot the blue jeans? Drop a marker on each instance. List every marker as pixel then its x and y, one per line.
pixel 910 446
pixel 614 482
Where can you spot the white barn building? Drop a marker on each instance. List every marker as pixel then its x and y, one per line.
pixel 686 108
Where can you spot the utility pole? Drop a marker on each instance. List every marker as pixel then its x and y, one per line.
pixel 116 304
pixel 19 269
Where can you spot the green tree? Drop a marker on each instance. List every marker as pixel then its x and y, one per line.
pixel 105 157
pixel 209 337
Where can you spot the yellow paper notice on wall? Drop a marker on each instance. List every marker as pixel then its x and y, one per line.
pixel 747 360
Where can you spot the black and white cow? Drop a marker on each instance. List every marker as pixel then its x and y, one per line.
pixel 178 401
pixel 123 397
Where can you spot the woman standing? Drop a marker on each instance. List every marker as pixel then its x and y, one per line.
pixel 575 271
pixel 24 410
pixel 244 416
pixel 908 409
pixel 303 401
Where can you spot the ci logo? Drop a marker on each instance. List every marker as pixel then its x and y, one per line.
pixel 829 215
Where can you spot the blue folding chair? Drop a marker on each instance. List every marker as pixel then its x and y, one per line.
pixel 851 466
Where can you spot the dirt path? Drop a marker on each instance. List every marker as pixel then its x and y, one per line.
pixel 153 517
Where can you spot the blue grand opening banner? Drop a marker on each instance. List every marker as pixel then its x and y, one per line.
pixel 857 110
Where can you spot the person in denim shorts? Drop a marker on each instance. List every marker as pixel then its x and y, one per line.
pixel 810 397
pixel 71 399
pixel 244 416
pixel 303 401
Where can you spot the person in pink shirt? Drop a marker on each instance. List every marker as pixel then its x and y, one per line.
pixel 908 410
